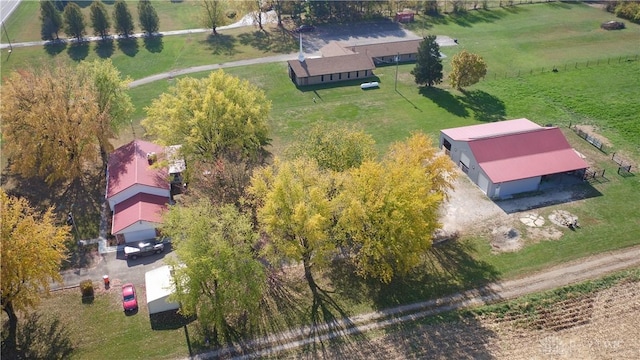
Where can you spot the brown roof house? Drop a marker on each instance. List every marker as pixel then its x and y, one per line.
pixel 342 63
pixel 509 157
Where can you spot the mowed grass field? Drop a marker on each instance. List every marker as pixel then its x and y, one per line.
pixel 526 39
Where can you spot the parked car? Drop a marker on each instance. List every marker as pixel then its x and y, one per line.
pixel 129 300
pixel 305 28
pixel 143 249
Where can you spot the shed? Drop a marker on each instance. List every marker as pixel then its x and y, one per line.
pixel 159 284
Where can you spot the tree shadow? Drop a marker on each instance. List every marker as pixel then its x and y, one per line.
pixel 78 51
pixel 55 47
pixel 485 107
pixel 153 43
pixel 445 100
pixel 105 48
pixel 278 40
pixel 129 46
pixel 221 44
pixel 169 320
pixel 472 17
pixel 43 338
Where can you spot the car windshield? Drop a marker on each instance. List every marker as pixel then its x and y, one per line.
pixel 129 297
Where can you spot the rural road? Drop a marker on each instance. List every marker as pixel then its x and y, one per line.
pixel 7 7
pixel 558 276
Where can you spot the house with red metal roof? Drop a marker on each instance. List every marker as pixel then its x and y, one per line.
pixel 510 157
pixel 138 190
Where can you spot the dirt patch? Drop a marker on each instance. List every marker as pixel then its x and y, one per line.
pixel 544 233
pixel 593 132
pixel 563 218
pixel 506 239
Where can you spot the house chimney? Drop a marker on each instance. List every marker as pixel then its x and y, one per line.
pixel 301 54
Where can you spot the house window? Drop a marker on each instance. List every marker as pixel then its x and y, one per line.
pixel 331 77
pixel 340 76
pixel 322 78
pixel 366 72
pixel 357 73
pixel 349 75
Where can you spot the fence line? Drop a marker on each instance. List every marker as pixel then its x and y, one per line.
pixel 590 139
pixel 565 67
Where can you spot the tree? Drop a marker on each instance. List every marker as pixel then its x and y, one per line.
pixel 295 209
pixel 212 117
pixel 51 20
pixel 112 99
pixel 428 69
pixel 214 14
pixel 254 8
pixel 74 21
pixel 100 19
pixel 149 21
pixel 466 69
pixel 53 122
pixel 32 249
pixel 122 18
pixel 334 147
pixel 389 210
pixel 218 277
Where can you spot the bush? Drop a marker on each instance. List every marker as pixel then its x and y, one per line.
pixel 86 287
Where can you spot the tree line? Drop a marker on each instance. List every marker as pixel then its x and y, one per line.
pixel 67 16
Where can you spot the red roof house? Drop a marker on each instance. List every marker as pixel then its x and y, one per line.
pixel 509 157
pixel 137 191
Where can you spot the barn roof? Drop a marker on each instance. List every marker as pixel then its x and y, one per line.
pixel 388 48
pixel 525 154
pixel 140 207
pixel 467 133
pixel 128 166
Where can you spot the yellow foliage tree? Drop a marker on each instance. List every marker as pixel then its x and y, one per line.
pixel 32 249
pixel 389 210
pixel 466 69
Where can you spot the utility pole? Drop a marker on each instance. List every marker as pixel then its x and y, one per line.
pixel 8 39
pixel 397 61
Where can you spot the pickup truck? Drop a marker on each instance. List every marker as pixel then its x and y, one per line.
pixel 143 249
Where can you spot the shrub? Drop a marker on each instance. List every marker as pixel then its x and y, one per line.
pixel 86 287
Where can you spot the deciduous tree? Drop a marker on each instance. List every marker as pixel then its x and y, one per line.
pixel 214 14
pixel 32 249
pixel 218 277
pixel 466 69
pixel 211 117
pixel 100 19
pixel 389 210
pixel 74 21
pixel 334 147
pixel 51 20
pixel 149 21
pixel 428 69
pixel 122 18
pixel 295 209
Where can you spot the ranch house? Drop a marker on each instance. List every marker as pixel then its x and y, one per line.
pixel 510 157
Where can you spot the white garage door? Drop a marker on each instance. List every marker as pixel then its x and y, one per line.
pixel 140 235
pixel 483 182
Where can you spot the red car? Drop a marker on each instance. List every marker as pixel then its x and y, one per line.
pixel 129 300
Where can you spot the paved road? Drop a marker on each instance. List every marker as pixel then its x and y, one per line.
pixel 6 8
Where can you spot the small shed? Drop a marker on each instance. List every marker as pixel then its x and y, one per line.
pixel 405 16
pixel 159 285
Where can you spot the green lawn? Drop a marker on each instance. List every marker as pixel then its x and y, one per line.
pixel 526 39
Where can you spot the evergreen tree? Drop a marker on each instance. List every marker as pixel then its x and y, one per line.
pixel 149 21
pixel 428 68
pixel 100 19
pixel 122 18
pixel 74 21
pixel 51 20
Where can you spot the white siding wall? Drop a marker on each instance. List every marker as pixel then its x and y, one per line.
pixel 514 187
pixel 127 193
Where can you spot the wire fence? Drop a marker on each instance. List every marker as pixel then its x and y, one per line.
pixel 566 67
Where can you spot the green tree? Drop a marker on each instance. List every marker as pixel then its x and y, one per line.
pixel 295 209
pixel 466 69
pixel 211 117
pixel 51 20
pixel 334 147
pixel 32 249
pixel 100 19
pixel 217 276
pixel 112 98
pixel 149 21
pixel 254 8
pixel 122 18
pixel 428 69
pixel 214 14
pixel 389 210
pixel 74 21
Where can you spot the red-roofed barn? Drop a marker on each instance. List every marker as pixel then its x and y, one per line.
pixel 137 191
pixel 510 157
